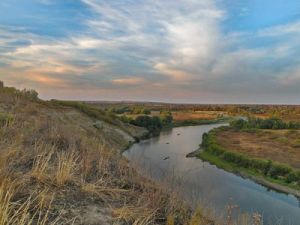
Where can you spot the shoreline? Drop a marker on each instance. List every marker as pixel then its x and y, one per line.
pixel 222 164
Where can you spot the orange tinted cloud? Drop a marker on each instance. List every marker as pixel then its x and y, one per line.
pixel 46 80
pixel 175 74
pixel 129 81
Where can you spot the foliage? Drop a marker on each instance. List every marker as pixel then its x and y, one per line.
pixel 28 94
pixel 126 119
pixel 119 109
pixel 140 110
pixel 166 118
pixel 153 124
pixel 257 123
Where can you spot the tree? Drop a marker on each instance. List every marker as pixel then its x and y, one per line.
pixel 239 124
pixel 30 94
pixel 166 117
pixel 146 111
pixel 153 124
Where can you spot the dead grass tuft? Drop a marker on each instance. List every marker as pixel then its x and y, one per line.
pixel 65 167
pixel 140 215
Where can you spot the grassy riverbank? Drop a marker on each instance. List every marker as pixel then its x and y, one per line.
pixel 270 173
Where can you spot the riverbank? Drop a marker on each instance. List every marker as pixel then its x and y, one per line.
pixel 229 167
pixel 265 172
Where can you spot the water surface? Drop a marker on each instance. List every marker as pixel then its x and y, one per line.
pixel 163 159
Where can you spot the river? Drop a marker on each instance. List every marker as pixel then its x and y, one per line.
pixel 163 159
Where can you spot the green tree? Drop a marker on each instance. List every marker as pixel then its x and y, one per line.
pixel 166 117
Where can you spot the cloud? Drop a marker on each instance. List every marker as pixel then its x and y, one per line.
pixel 279 30
pixel 176 75
pixel 48 81
pixel 140 46
pixel 290 77
pixel 129 81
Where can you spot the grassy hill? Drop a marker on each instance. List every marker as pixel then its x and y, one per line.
pixel 61 165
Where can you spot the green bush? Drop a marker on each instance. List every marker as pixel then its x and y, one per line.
pixel 292 177
pixel 166 118
pixel 277 170
pixel 152 124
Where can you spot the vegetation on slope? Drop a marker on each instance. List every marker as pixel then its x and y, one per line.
pixel 57 168
pixel 99 114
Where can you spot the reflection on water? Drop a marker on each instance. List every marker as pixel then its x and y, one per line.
pixel 164 160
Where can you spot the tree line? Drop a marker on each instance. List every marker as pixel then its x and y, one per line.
pixel 257 123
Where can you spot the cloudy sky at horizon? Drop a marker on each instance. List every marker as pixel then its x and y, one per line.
pixel 192 51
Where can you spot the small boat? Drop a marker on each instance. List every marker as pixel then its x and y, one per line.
pixel 166 157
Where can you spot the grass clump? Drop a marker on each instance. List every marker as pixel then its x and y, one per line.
pixel 65 167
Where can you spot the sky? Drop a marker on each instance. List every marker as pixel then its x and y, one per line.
pixel 185 51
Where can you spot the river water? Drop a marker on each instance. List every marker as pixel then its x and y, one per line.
pixel 163 159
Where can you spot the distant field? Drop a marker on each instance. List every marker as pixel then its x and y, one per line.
pixel 293 116
pixel 282 146
pixel 195 115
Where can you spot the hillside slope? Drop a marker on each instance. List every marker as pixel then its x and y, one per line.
pixel 60 166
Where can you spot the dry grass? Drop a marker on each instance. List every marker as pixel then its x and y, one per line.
pixel 136 215
pixel 277 145
pixel 198 115
pixel 65 167
pixel 41 165
pixel 106 194
pixel 23 212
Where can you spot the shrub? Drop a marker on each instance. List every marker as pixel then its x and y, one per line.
pixel 30 94
pixel 292 177
pixel 166 118
pixel 277 170
pixel 153 124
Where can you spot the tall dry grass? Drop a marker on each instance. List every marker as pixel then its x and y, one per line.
pixel 66 164
pixel 41 165
pixel 23 211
